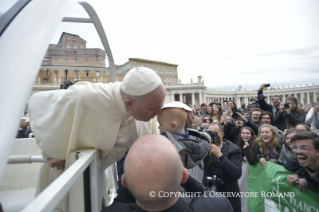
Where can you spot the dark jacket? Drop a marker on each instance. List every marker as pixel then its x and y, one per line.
pixel 231 132
pixel 192 146
pixel 311 183
pixel 228 169
pixel 248 155
pixel 280 119
pixel 24 133
pixel 266 107
pixel 125 201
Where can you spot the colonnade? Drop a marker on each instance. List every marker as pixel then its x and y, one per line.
pixel 196 97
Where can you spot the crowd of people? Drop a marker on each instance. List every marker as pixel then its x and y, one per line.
pixel 285 133
pixel 223 141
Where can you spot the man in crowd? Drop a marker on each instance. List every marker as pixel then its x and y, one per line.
pixel 224 161
pixel 243 106
pixel 266 118
pixel 232 129
pixel 306 148
pixel 255 116
pixel 276 100
pixel 204 109
pixel 23 132
pixel 108 117
pixel 199 122
pixel 146 185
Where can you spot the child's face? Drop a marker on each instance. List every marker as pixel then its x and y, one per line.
pixel 164 123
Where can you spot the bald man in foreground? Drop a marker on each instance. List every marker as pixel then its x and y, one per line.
pixel 153 173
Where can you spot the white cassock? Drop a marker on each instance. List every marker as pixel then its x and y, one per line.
pixel 84 116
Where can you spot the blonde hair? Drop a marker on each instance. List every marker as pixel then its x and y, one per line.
pixel 275 140
pixel 178 115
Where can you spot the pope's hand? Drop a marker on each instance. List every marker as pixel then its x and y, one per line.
pixel 56 164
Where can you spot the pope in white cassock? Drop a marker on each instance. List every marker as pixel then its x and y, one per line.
pixel 108 117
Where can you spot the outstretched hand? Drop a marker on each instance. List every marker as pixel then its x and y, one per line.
pixel 190 118
pixel 56 164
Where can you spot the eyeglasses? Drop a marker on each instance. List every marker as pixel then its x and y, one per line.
pixel 302 148
pixel 255 114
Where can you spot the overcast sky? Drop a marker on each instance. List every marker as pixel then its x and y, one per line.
pixel 229 43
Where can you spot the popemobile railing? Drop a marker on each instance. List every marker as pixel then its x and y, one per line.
pixel 84 182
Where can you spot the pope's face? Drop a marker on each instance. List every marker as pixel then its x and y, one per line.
pixel 149 106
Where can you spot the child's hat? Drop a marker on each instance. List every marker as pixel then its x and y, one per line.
pixel 177 105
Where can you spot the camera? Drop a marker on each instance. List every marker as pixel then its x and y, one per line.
pixel 212 135
pixel 235 115
pixel 65 85
pixel 213 182
pixel 267 85
pixel 287 105
pixel 208 120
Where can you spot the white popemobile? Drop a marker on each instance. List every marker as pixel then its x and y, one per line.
pixel 26 28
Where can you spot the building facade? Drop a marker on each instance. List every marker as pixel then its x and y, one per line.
pixel 71 51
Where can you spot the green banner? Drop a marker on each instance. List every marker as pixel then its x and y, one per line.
pixel 271 192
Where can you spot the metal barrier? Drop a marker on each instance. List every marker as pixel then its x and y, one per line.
pixel 82 179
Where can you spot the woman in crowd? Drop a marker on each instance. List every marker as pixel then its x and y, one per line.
pixel 287 156
pixel 307 108
pixel 302 127
pixel 246 139
pixel 288 117
pixel 218 112
pixel 209 111
pixel 268 145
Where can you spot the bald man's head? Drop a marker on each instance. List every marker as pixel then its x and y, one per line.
pixel 153 164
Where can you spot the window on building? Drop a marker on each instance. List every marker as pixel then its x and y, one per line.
pixel 76 74
pixel 74 39
pixel 105 80
pixel 68 38
pixel 87 73
pixel 45 81
pixel 97 73
pixel 76 60
pixel 56 74
pixel 75 46
pixel 68 46
pixel 86 60
pixel 56 60
pixel 96 60
pixel 66 60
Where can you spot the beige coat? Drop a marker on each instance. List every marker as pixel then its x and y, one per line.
pixel 84 116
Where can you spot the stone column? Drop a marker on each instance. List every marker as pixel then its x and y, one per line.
pixel 283 98
pixel 314 96
pixel 268 99
pixel 238 101
pixel 200 98
pixel 193 99
pixel 301 98
pixel 181 97
pixel 308 98
pixel 172 97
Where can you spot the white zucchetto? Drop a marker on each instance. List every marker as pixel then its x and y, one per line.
pixel 140 81
pixel 177 104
